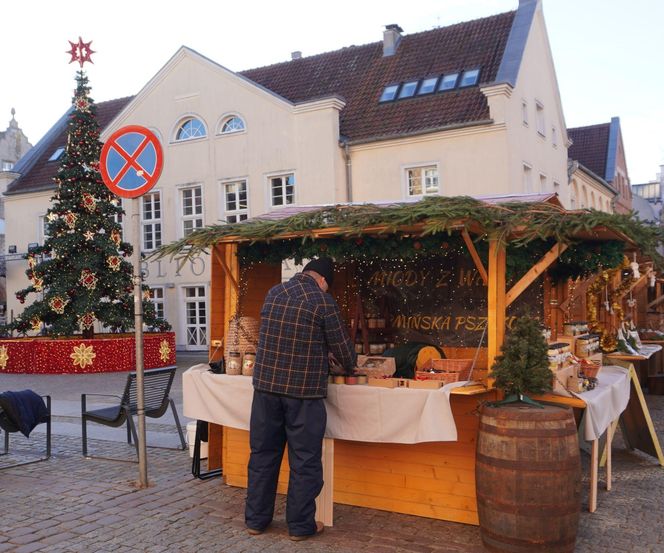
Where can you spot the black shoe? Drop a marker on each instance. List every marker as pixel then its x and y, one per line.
pixel 319 530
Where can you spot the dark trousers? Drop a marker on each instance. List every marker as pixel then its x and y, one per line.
pixel 275 421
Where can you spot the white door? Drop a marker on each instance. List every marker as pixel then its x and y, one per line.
pixel 195 318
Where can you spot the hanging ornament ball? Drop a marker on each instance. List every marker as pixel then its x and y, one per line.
pixel 359 241
pixel 445 245
pixel 417 245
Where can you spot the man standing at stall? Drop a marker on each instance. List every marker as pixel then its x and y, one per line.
pixel 300 326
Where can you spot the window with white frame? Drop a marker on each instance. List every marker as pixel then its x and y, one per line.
pixel 232 124
pixel 527 178
pixel 539 112
pixel 524 112
pixel 190 128
pixel 422 180
pixel 542 183
pixel 191 201
pixel 236 208
pixel 157 299
pixel 282 190
pixel 151 220
pixel 43 229
pixel 7 165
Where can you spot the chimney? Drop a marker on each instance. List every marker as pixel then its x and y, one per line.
pixel 391 38
pixel 296 55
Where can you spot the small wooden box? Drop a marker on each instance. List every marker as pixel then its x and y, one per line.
pixel 383 382
pixel 425 384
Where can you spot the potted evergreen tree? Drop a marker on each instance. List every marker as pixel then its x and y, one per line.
pixel 527 463
pixel 523 366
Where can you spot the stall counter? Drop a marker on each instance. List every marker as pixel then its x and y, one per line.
pixel 435 479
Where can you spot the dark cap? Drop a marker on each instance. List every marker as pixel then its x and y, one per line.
pixel 324 266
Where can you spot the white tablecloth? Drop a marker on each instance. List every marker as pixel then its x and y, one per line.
pixel 361 413
pixel 648 350
pixel 605 403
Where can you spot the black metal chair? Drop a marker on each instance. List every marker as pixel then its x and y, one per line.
pixel 157 386
pixel 8 426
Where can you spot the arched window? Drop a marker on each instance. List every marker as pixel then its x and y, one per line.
pixel 592 200
pixel 584 198
pixel 574 200
pixel 190 128
pixel 231 124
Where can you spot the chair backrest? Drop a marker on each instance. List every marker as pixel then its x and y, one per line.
pixel 157 387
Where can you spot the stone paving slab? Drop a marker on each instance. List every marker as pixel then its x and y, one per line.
pixel 70 504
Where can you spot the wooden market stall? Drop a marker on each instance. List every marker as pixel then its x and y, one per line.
pixel 432 479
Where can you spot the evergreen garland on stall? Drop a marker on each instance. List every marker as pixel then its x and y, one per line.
pixel 379 230
pixel 80 274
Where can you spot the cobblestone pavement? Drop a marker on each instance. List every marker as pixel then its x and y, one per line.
pixel 70 504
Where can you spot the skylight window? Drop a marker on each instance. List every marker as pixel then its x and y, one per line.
pixel 57 154
pixel 428 86
pixel 470 77
pixel 408 89
pixel 448 82
pixel 390 93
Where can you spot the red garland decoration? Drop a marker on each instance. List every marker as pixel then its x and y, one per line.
pixel 30 356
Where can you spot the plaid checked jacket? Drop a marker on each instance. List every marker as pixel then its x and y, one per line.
pixel 300 324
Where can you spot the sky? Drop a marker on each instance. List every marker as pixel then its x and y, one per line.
pixel 606 52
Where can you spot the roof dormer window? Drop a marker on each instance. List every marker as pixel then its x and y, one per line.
pixel 428 86
pixel 408 89
pixel 469 78
pixel 448 82
pixel 389 93
pixel 55 156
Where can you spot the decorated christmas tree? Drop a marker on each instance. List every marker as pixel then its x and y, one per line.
pixel 80 274
pixel 523 366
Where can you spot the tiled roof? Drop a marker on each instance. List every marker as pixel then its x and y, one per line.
pixel 37 172
pixel 590 147
pixel 360 73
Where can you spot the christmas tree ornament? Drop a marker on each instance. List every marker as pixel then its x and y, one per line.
pixel 116 237
pixel 58 304
pixel 89 235
pixel 87 320
pixel 89 202
pixel 114 262
pixel 88 279
pixel 35 324
pixel 70 219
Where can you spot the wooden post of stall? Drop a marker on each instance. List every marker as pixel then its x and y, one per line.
pixel 496 302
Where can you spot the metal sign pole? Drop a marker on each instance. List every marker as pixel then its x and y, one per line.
pixel 138 326
pixel 130 164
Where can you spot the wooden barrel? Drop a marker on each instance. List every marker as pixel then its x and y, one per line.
pixel 528 476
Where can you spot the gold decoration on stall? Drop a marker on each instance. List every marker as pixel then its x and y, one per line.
pixel 83 355
pixel 4 357
pixel 608 341
pixel 164 351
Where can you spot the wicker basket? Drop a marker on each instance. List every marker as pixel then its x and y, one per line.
pixel 460 366
pixel 242 337
pixel 376 366
pixel 591 369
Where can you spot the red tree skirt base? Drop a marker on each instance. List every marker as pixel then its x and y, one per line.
pixel 108 353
